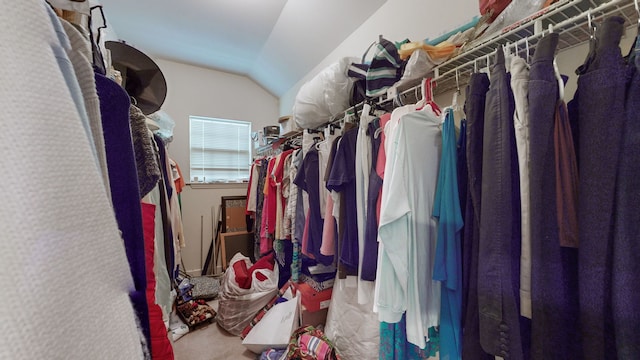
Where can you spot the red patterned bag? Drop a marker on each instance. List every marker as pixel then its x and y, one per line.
pixel 309 343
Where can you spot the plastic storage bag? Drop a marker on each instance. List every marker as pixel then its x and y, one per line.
pixel 353 328
pixel 237 306
pixel 324 96
pixel 515 11
pixel 275 328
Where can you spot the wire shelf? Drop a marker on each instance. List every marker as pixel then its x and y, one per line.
pixel 569 18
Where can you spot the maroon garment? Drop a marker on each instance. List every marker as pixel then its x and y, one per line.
pixel 268 224
pixel 566 179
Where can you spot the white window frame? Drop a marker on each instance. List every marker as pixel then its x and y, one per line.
pixel 207 148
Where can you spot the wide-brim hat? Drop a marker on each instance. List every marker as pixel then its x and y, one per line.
pixel 141 76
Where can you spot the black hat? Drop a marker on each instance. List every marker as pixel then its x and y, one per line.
pixel 141 77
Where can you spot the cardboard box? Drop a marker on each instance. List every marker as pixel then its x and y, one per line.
pixel 275 328
pixel 314 318
pixel 313 300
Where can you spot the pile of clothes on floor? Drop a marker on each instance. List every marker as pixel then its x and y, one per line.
pixel 191 310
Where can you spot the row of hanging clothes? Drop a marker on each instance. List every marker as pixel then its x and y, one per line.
pixel 282 212
pixel 551 207
pixel 512 236
pixel 95 258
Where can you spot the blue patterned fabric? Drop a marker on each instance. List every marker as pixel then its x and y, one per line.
pixel 394 344
pixel 448 259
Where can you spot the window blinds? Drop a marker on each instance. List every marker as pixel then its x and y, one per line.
pixel 220 150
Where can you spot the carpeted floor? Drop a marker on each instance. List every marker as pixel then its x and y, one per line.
pixel 210 342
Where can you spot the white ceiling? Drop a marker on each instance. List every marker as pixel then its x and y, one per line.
pixel 274 42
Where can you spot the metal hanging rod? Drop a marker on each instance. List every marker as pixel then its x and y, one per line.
pixel 573 31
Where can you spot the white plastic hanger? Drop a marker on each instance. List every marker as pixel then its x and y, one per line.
pixel 557 73
pixel 454 101
pixel 426 86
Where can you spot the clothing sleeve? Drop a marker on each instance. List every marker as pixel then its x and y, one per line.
pixel 252 189
pixel 447 262
pixel 394 233
pixel 340 171
pixel 300 177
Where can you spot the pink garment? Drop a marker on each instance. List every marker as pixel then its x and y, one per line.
pixel 382 160
pixel 277 177
pixel 328 230
pixel 305 237
pixel 268 224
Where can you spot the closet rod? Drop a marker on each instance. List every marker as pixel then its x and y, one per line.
pixel 447 70
pixel 608 8
pixel 512 29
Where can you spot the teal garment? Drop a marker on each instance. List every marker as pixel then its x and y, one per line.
pixel 474 21
pixel 394 344
pixel 448 260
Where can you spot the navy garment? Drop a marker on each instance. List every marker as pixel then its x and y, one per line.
pixel 308 179
pixel 343 180
pixel 474 108
pixel 284 257
pixel 554 286
pixel 370 254
pixel 164 207
pixel 601 119
pixel 499 248
pixel 463 172
pixel 626 247
pixel 125 194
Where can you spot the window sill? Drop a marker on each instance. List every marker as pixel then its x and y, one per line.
pixel 218 185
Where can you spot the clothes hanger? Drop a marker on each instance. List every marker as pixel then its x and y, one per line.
pixel 98 58
pixel 489 63
pixel 557 73
pixel 454 101
pixel 397 101
pixel 507 53
pixel 592 45
pixel 427 96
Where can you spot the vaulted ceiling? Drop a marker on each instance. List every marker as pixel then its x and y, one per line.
pixel 274 42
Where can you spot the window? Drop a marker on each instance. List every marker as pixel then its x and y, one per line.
pixel 220 150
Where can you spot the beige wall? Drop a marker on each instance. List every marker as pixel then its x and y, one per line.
pixel 193 90
pixel 396 20
pixel 197 204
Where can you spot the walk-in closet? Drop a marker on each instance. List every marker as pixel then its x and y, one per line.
pixel 320 180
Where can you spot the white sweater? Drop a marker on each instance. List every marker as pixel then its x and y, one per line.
pixel 64 269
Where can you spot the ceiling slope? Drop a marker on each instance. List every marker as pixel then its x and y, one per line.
pixel 274 42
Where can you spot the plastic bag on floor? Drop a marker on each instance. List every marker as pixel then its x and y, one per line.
pixel 238 305
pixel 353 328
pixel 275 328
